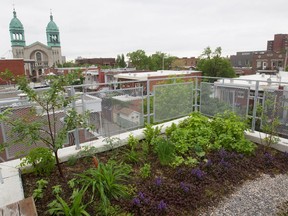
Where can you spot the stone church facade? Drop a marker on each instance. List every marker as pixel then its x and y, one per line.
pixel 41 56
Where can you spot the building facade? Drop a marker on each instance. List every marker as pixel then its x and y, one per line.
pixel 274 58
pixel 41 56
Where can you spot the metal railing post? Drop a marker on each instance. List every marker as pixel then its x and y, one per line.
pixel 196 94
pixel 148 101
pixel 255 106
pixel 1 177
pixel 76 131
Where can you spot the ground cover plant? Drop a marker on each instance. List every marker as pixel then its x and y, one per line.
pixel 181 172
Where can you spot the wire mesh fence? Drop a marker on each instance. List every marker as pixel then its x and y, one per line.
pixel 275 111
pixel 220 98
pixel 118 107
pixel 172 101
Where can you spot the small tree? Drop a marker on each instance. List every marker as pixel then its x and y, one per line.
pixel 42 126
pixel 212 64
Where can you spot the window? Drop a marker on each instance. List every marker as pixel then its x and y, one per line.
pixel 38 56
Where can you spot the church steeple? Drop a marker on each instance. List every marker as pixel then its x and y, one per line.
pixel 16 31
pixel 52 32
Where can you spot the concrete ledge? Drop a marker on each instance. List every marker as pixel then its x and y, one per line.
pixel 257 137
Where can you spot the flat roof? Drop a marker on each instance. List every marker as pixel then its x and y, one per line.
pixel 160 73
pixel 250 80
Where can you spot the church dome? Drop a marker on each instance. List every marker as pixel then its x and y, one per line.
pixel 15 23
pixel 52 27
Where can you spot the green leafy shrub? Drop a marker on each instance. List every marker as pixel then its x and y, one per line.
pixel 38 193
pixel 145 171
pixel 164 149
pixel 131 154
pixel 41 159
pixel 72 160
pixel 107 181
pixel 151 132
pixel 228 132
pixel 194 133
pixel 57 189
pixel 169 130
pixel 74 207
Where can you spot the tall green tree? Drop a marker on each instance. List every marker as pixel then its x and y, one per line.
pixel 213 65
pixel 42 125
pixel 159 61
pixel 120 61
pixel 139 59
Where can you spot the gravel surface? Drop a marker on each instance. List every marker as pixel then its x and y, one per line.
pixel 257 197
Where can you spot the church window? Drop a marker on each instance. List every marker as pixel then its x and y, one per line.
pixel 38 56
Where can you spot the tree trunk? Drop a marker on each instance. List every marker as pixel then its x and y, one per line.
pixel 58 164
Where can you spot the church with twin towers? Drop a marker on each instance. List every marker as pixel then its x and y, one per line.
pixel 40 55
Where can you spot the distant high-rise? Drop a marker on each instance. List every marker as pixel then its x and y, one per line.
pixel 279 44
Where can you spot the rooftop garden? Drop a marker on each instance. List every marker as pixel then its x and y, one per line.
pixel 190 167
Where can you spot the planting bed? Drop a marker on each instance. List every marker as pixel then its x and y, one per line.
pixel 171 191
pixel 184 172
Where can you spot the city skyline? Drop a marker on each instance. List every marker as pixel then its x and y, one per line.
pixel 179 28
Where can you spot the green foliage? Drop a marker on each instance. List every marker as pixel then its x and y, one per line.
pixel 145 171
pixel 41 159
pixel 193 133
pixel 57 189
pixel 120 61
pixel 169 130
pixel 131 154
pixel 7 76
pixel 87 152
pixel 151 132
pixel 38 193
pixel 156 61
pixel 111 142
pixel 164 149
pixel 42 126
pixel 71 183
pixel 72 160
pixel 213 65
pixel 180 160
pixel 139 59
pixel 228 132
pixel 270 118
pixel 74 207
pixel 107 181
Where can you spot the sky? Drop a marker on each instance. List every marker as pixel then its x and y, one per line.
pixel 183 28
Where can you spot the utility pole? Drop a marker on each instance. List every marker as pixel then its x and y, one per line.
pixel 285 60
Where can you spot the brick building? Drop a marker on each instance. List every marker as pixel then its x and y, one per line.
pixel 15 66
pixel 274 58
pixel 96 61
pixel 184 63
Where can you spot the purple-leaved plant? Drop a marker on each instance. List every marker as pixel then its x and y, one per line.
pixel 162 206
pixel 198 173
pixel 268 156
pixel 158 181
pixel 141 196
pixel 184 187
pixel 224 163
pixel 223 153
pixel 208 163
pixel 136 201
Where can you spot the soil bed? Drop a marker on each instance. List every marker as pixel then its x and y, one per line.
pixel 170 191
